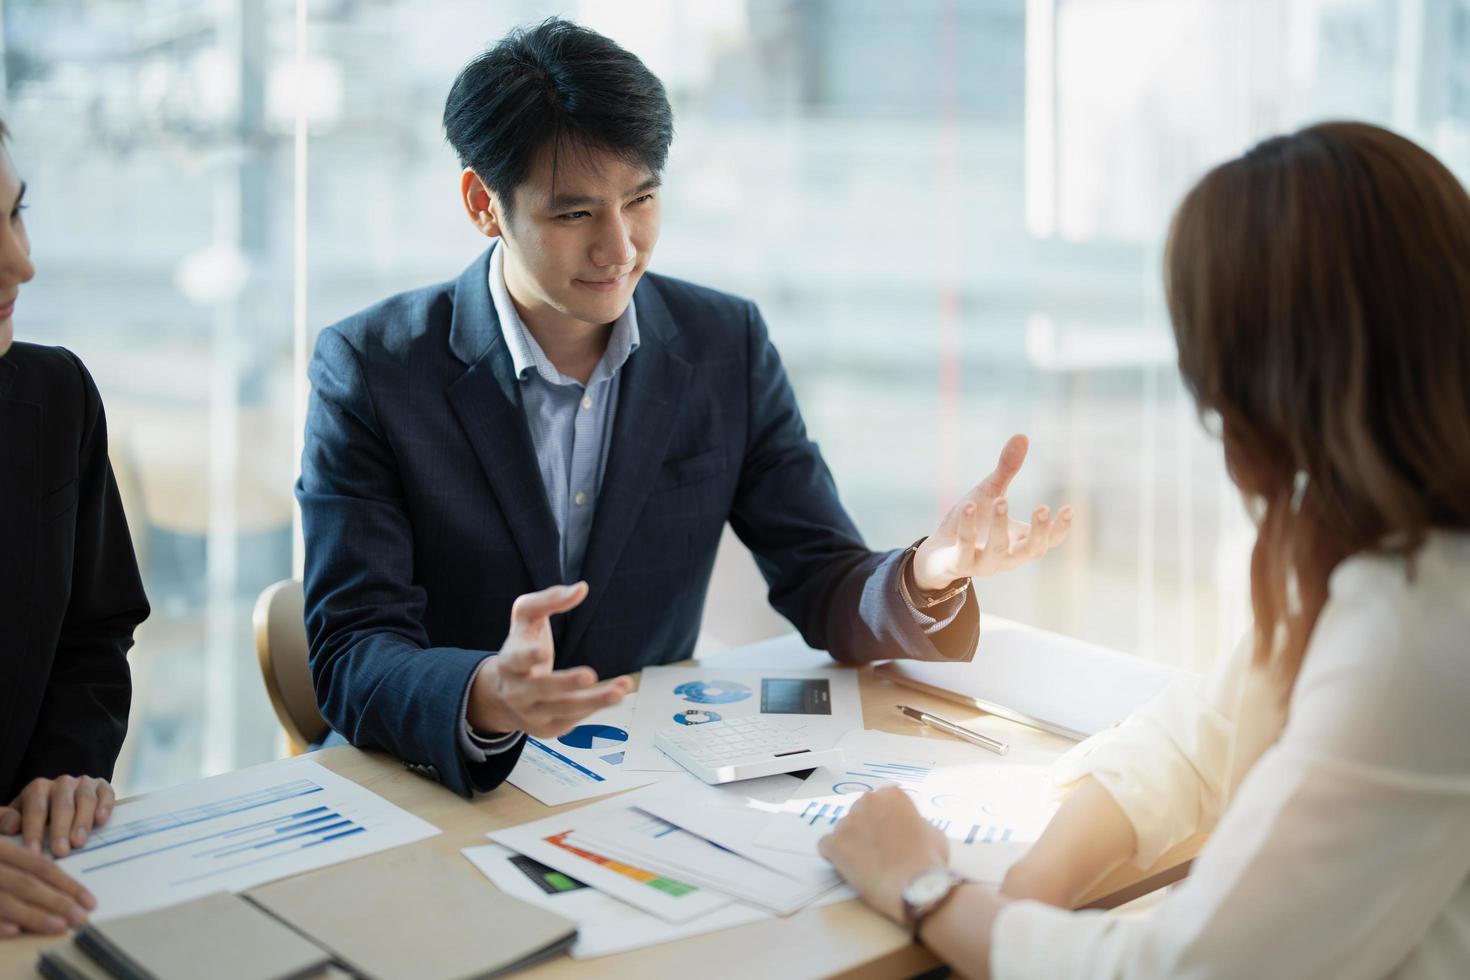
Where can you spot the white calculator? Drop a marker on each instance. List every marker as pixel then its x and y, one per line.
pixel 743 748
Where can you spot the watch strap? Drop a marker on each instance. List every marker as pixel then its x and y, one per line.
pixel 919 598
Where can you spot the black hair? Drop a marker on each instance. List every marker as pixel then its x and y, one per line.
pixel 555 85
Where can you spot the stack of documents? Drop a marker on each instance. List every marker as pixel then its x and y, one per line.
pixel 680 857
pixel 676 856
pixel 629 878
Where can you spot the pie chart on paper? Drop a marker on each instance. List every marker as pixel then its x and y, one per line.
pixel 594 737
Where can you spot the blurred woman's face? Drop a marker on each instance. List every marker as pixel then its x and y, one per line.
pixel 15 249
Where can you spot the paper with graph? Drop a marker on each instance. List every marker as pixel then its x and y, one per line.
pixel 233 832
pixel 991 809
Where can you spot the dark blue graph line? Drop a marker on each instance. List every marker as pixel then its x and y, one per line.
pixel 257 843
pixel 262 860
pixel 306 823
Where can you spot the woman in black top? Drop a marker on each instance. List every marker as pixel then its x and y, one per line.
pixel 70 597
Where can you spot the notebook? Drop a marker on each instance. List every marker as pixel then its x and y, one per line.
pixel 1048 681
pixel 398 915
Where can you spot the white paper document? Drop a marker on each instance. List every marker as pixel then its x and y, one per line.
pixel 733 815
pixel 637 836
pixel 825 700
pixel 586 762
pixel 991 810
pixel 604 924
pixel 550 841
pixel 233 832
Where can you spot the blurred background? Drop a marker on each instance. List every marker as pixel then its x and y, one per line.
pixel 950 211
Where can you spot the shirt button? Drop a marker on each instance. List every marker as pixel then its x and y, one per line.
pixel 586 401
pixel 580 498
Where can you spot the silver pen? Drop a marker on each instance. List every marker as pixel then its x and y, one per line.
pixel 945 725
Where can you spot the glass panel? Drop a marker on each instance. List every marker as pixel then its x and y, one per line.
pixel 950 211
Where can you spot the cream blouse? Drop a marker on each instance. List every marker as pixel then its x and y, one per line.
pixel 1339 839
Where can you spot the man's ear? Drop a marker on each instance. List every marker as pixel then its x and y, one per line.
pixel 480 203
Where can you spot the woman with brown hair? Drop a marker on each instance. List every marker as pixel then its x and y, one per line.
pixel 1319 288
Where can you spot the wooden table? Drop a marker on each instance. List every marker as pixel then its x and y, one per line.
pixel 846 940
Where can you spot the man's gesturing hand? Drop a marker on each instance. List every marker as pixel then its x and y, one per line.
pixel 956 550
pixel 519 690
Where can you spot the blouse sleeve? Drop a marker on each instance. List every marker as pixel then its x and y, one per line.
pixel 1168 764
pixel 1346 846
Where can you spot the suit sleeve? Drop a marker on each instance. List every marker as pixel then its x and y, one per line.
pixel 843 597
pixel 84 716
pixel 379 681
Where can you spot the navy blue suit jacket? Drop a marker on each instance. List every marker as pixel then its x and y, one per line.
pixel 425 517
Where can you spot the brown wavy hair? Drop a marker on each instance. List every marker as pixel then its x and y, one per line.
pixel 1319 288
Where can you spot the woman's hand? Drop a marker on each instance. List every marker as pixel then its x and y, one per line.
pixel 36 895
pixel 881 845
pixel 63 810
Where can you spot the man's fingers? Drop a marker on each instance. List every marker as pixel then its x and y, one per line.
pixel 1038 537
pixel 40 895
pixel 9 821
pixel 1061 527
pixel 33 806
pixel 997 539
pixel 30 918
pixel 63 809
pixel 561 682
pixel 523 659
pixel 567 710
pixel 86 813
pixel 1012 455
pixel 105 799
pixel 45 870
pixel 967 535
pixel 533 607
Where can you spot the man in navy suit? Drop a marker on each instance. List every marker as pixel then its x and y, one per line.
pixel 560 433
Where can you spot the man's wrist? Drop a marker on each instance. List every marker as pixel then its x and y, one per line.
pixel 486 713
pixel 925 594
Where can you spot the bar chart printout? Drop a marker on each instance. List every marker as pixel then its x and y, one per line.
pixel 233 832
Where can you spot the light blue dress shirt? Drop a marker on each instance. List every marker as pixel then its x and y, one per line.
pixel 571 430
pixel 571 423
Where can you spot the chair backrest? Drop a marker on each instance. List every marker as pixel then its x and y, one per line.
pixel 280 644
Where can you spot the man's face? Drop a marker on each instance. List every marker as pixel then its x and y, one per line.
pixel 576 245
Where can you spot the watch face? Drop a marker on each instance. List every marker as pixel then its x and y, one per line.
pixel 927 887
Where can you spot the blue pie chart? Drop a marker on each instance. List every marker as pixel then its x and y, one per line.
pixel 712 692
pixel 600 737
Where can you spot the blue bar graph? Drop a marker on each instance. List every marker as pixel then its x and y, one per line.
pixel 113 834
pixel 897 771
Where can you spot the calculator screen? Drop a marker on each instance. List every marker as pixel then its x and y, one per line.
pixel 795 696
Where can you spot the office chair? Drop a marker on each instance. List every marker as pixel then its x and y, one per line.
pixel 280 645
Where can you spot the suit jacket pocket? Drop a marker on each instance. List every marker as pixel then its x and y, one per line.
pixel 690 469
pixel 58 502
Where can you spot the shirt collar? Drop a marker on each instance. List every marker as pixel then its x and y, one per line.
pixel 526 355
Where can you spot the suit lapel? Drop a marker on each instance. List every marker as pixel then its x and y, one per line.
pixel 650 393
pixel 486 400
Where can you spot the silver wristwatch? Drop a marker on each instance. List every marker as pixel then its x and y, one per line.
pixel 925 894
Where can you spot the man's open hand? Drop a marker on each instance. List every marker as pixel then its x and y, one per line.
pixel 520 690
pixel 958 550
